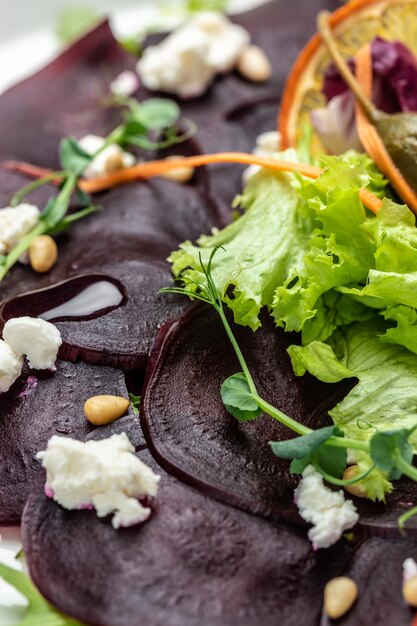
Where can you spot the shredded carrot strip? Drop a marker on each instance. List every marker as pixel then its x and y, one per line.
pixel 370 200
pixel 32 171
pixel 157 168
pixel 369 137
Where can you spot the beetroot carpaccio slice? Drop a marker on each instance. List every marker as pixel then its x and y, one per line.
pixel 128 241
pixel 189 430
pixel 37 406
pixel 129 424
pixel 195 562
pixel 63 99
pixel 192 435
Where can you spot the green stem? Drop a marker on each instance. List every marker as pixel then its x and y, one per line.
pixel 345 442
pixel 406 468
pixel 13 256
pixel 281 417
pixel 292 424
pixel 237 350
pixel 68 188
pixel 42 227
pixel 18 197
pixel 339 481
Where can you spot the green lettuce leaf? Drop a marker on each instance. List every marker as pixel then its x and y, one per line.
pixel 261 247
pixel 295 241
pixel 385 395
pixel 340 249
pixel 39 612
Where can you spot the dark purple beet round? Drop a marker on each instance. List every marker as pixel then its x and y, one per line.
pixel 192 435
pixel 37 303
pixel 195 562
pixel 39 405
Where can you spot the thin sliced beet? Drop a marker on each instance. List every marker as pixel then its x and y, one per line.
pixel 128 424
pixel 39 405
pixel 192 435
pixel 376 567
pixel 82 298
pixel 195 562
pixel 64 98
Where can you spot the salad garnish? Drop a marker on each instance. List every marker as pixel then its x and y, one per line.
pixel 388 137
pixel 150 125
pixel 325 448
pixel 345 281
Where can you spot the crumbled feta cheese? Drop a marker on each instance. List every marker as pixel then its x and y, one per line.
pixel 110 159
pixel 187 61
pixel 105 474
pixel 125 84
pixel 409 569
pixel 10 366
pixel 37 339
pixel 267 144
pixel 327 510
pixel 15 223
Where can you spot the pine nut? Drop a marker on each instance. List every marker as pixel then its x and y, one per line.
pixel 43 253
pixel 410 591
pixel 114 163
pixel 355 489
pixel 181 174
pixel 339 596
pixel 100 410
pixel 254 65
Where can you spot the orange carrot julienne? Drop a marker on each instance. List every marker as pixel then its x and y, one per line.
pixel 369 136
pixel 151 169
pixel 32 171
pixel 157 168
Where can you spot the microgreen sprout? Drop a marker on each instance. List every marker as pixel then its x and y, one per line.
pixel 134 403
pixel 324 448
pixel 152 125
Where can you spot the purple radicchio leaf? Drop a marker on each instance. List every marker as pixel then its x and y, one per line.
pixel 394 90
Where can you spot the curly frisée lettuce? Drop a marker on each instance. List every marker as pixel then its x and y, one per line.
pixel 386 392
pixel 345 279
pixel 261 248
pixel 295 241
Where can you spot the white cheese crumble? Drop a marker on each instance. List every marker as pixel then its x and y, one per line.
pixel 125 84
pixel 105 475
pixel 10 366
pixel 327 510
pixel 15 223
pixel 187 61
pixel 267 144
pixel 108 160
pixel 409 569
pixel 37 339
